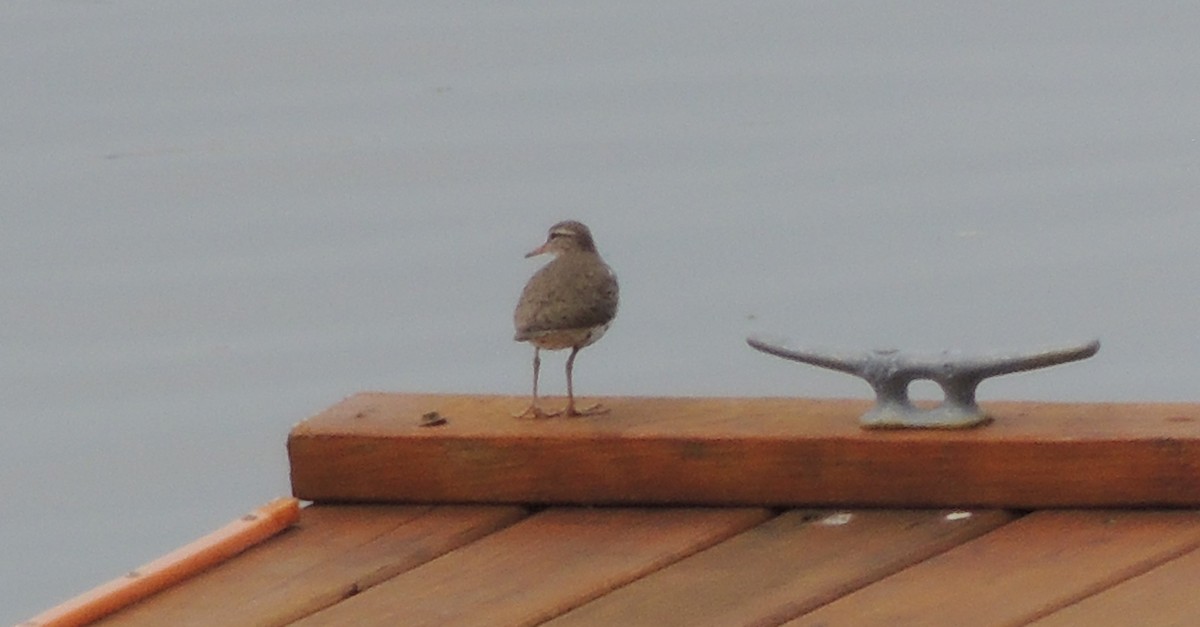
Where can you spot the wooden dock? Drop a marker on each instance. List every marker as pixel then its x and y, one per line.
pixel 719 512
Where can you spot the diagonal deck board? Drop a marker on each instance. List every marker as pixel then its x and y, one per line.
pixel 784 567
pixel 753 452
pixel 332 553
pixel 1164 597
pixel 539 568
pixel 1022 571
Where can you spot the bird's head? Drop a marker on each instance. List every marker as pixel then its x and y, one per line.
pixel 566 237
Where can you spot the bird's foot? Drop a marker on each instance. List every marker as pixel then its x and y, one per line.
pixel 590 410
pixel 533 412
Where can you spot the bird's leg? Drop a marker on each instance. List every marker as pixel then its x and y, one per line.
pixel 533 411
pixel 537 365
pixel 570 409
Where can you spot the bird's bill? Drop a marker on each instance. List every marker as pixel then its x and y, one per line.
pixel 540 250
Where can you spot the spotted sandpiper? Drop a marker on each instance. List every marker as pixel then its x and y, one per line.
pixel 569 303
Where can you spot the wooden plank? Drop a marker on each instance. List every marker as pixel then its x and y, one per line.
pixel 1163 597
pixel 782 452
pixel 333 553
pixel 784 567
pixel 172 568
pixel 1020 572
pixel 539 568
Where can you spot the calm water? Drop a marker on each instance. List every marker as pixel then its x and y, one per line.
pixel 220 219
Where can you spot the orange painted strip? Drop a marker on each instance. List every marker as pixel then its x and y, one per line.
pixel 173 567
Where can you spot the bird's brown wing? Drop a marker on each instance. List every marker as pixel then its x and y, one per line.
pixel 564 296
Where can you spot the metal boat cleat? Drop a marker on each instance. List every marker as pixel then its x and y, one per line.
pixel 889 372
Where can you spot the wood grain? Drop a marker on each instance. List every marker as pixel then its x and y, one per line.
pixel 728 451
pixel 1163 597
pixel 1022 571
pixel 168 570
pixel 783 568
pixel 539 568
pixel 333 553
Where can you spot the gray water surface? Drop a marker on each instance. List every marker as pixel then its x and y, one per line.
pixel 220 218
